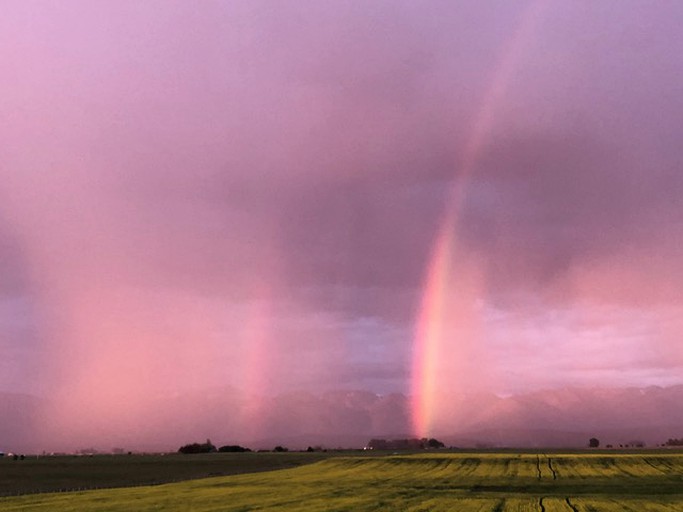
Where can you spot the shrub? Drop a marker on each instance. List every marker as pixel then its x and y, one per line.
pixel 207 447
pixel 233 448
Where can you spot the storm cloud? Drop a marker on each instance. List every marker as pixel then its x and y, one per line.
pixel 248 194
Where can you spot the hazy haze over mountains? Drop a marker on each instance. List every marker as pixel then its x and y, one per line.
pixel 550 418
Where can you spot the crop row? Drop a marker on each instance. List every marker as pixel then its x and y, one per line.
pixel 418 483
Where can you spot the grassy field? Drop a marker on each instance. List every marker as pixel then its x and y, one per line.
pixel 42 474
pixel 463 482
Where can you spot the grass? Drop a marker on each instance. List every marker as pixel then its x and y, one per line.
pixel 43 474
pixel 496 482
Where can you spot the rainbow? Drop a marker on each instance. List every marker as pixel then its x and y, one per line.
pixel 257 357
pixel 431 338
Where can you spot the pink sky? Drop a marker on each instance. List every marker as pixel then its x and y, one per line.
pixel 248 194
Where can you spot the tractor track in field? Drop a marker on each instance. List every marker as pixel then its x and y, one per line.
pixel 653 466
pixel 571 505
pixel 541 505
pixel 538 466
pixel 550 465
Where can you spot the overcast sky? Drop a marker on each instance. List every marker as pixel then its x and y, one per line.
pixel 250 193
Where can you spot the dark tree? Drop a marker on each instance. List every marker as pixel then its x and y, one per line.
pixel 435 443
pixel 233 448
pixel 593 442
pixel 207 447
pixel 279 448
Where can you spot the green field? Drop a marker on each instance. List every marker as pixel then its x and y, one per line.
pixel 58 473
pixel 497 482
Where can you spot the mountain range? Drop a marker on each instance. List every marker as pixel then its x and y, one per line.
pixel 565 417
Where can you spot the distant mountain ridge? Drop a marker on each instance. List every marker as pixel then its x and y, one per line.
pixel 565 417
